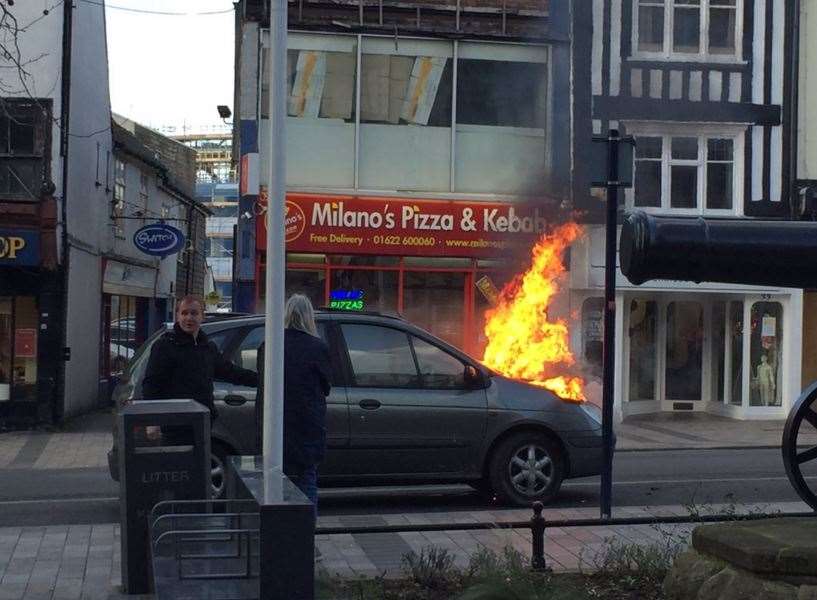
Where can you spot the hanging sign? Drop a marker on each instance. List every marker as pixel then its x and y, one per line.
pixel 158 239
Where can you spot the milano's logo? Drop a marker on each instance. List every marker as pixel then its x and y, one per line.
pixel 158 239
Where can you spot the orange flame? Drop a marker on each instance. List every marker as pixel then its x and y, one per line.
pixel 522 342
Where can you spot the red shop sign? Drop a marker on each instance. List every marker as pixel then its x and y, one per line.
pixel 25 343
pixel 355 225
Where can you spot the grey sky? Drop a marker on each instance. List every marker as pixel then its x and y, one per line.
pixel 169 70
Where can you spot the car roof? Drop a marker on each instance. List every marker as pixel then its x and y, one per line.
pixel 321 314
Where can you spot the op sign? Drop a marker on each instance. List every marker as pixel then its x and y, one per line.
pixel 158 239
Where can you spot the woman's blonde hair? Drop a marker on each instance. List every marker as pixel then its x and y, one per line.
pixel 299 314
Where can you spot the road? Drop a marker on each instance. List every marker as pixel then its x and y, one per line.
pixel 651 478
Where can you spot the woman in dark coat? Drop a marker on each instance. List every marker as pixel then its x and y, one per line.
pixel 306 385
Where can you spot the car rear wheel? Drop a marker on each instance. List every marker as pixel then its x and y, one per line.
pixel 526 467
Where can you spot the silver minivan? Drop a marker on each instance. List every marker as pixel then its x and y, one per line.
pixel 408 408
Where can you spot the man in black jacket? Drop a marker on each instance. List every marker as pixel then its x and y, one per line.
pixel 184 362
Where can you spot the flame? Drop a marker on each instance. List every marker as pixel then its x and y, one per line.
pixel 523 343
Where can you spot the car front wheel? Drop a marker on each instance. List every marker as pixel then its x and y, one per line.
pixel 218 471
pixel 526 467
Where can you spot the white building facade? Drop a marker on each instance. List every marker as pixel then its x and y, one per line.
pixel 701 88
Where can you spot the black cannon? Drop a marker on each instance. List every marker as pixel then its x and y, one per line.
pixel 742 251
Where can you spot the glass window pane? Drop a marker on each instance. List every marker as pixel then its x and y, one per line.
pixel 6 341
pixel 719 149
pixel 685 334
pixel 25 349
pixel 685 148
pixel 766 353
pixel 320 108
pixel 593 333
pixel 246 355
pixel 719 186
pixel 722 30
pixel 648 147
pixel 501 117
pixel 380 356
pixel 405 115
pixel 21 179
pixel 647 185
pixel 438 369
pixel 684 188
pixel 643 321
pixel 379 287
pixel 650 28
pixel 22 133
pixel 309 282
pixel 435 301
pixel 686 35
pixel 736 352
pixel 718 350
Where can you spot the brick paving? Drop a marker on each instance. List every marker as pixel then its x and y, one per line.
pixel 83 562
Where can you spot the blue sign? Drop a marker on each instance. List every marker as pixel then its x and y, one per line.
pixel 158 239
pixel 346 295
pixel 346 299
pixel 19 247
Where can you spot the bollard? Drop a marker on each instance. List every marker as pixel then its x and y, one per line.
pixel 537 529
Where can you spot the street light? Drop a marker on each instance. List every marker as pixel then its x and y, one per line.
pixel 224 111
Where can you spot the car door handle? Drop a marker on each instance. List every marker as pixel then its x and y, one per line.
pixel 369 404
pixel 234 400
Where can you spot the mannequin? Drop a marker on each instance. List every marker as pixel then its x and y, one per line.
pixel 765 378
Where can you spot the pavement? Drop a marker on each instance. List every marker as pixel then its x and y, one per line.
pixel 83 562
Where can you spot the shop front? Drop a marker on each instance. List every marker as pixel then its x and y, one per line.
pixel 29 344
pixel 724 349
pixel 436 263
pixel 132 308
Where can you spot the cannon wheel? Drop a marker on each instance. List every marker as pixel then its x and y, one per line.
pixel 802 415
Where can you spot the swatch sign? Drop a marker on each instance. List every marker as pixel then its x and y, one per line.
pixel 158 239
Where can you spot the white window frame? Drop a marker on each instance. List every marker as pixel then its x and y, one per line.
pixel 667 54
pixel 702 132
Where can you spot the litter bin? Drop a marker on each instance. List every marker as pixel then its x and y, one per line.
pixel 175 466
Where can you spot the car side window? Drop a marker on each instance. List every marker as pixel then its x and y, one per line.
pixel 380 356
pixel 246 355
pixel 438 369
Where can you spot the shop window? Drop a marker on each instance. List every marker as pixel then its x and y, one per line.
pixel 320 107
pixel 501 117
pixel 688 174
pixel 309 282
pixel 380 356
pixel 684 359
pixel 18 348
pixel 718 351
pixel 765 353
pixel 23 135
pixel 593 334
pixel 435 301
pixel 643 320
pixel 438 369
pixel 736 353
pixel 405 114
pixel 684 29
pixel 379 288
pixel 123 340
